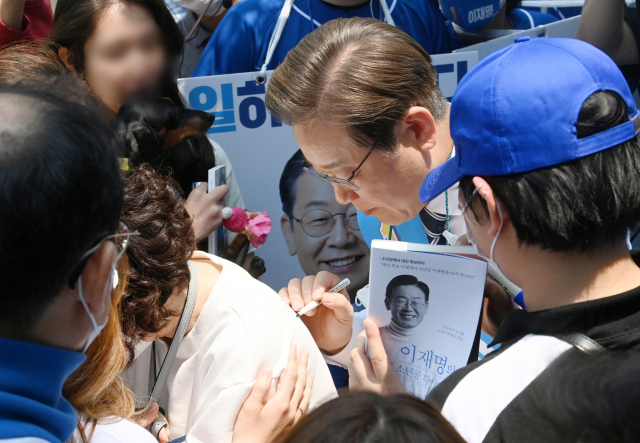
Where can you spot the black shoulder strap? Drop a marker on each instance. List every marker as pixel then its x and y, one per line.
pixel 581 342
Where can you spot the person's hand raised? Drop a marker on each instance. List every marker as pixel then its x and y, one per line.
pixel 205 209
pixel 375 374
pixel 330 323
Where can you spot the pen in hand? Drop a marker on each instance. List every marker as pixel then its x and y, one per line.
pixel 314 304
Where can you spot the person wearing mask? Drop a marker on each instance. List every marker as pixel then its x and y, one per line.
pixel 366 111
pixel 45 380
pixel 549 202
pixel 195 30
pixel 60 239
pixel 242 41
pixel 125 49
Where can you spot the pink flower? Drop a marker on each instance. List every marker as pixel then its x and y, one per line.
pixel 259 227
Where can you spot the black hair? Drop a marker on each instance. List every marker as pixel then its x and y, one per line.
pixel 578 206
pixel 590 398
pixel 61 191
pixel 406 280
pixel 366 417
pixel 288 183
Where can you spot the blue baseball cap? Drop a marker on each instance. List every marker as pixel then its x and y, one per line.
pixel 471 14
pixel 516 111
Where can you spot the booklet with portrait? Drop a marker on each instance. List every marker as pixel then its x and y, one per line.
pixel 426 300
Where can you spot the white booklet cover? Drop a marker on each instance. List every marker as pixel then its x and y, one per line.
pixel 426 300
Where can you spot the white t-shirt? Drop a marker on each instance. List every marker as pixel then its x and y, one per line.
pixel 244 326
pixel 117 431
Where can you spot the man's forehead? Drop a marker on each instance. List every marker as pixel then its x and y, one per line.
pixel 325 147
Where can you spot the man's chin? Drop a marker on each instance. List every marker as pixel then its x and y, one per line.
pixel 388 216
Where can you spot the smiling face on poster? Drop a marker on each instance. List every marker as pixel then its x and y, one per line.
pixel 323 234
pixel 426 306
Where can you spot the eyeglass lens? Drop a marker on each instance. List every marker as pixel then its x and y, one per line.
pixel 319 222
pixel 401 303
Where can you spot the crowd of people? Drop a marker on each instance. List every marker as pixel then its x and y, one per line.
pixel 118 324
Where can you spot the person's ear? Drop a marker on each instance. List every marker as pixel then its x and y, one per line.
pixel 492 204
pixel 287 231
pixel 67 58
pixel 417 129
pixel 387 304
pixel 96 278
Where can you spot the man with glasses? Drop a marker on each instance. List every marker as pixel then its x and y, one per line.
pixel 408 300
pixel 60 240
pixel 323 233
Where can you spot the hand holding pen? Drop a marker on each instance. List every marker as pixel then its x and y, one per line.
pixel 329 323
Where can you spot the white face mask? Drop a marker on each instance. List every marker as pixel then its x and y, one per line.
pixel 472 239
pixel 97 329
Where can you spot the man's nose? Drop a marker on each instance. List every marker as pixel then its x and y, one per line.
pixel 344 196
pixel 339 235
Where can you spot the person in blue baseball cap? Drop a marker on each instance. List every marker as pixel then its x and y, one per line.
pixel 548 161
pixel 475 21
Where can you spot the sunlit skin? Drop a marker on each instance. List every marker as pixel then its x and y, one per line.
pixel 124 56
pixel 329 252
pixel 389 183
pixel 407 316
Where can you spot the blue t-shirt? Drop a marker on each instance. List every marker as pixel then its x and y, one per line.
pixel 240 42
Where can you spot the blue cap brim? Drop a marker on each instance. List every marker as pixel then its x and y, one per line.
pixel 439 180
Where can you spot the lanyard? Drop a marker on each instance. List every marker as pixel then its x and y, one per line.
pixel 261 78
pixel 156 384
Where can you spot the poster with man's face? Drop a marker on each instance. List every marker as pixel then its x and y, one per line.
pixel 322 233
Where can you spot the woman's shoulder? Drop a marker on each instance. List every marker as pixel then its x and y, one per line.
pixel 120 431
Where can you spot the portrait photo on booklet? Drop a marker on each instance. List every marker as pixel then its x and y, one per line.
pixel 426 300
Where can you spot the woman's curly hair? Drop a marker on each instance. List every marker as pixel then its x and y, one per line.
pixel 158 255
